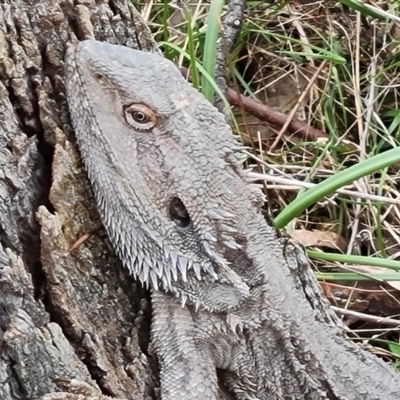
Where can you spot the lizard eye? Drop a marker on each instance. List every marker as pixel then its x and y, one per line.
pixel 140 117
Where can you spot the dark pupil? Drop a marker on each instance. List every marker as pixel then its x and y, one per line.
pixel 139 116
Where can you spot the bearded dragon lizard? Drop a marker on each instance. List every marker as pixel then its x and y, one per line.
pixel 235 312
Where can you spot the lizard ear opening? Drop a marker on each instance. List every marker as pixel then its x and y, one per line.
pixel 178 213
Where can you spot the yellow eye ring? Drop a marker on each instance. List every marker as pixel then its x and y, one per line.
pixel 140 117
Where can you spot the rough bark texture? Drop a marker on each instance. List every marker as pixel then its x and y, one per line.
pixel 62 314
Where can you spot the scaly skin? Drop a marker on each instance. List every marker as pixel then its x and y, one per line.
pixel 174 199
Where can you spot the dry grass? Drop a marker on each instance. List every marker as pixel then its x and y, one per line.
pixel 339 70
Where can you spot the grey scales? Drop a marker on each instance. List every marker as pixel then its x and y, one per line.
pixel 178 207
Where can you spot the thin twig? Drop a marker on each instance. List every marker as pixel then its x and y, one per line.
pixel 231 25
pixel 295 184
pixel 268 114
pixel 296 107
pixel 273 117
pixel 367 317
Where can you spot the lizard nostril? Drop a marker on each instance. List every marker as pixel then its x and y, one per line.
pixel 178 212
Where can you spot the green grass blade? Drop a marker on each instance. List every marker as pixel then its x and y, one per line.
pixel 352 259
pixel 322 53
pixel 213 28
pixel 368 10
pixel 353 276
pixel 335 182
pixel 192 50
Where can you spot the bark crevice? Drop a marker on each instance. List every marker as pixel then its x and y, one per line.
pixel 64 315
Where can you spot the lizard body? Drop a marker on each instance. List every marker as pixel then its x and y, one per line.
pixel 174 199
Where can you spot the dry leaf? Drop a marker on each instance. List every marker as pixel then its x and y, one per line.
pixel 316 238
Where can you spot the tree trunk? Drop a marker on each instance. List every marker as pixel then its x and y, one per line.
pixel 63 314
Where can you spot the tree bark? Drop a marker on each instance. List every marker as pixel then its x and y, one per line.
pixel 66 313
pixel 63 314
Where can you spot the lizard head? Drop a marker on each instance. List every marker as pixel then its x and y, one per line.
pixel 164 169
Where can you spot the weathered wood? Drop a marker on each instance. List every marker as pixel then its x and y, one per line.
pixel 62 314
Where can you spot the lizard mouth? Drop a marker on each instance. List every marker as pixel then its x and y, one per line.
pixel 178 213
